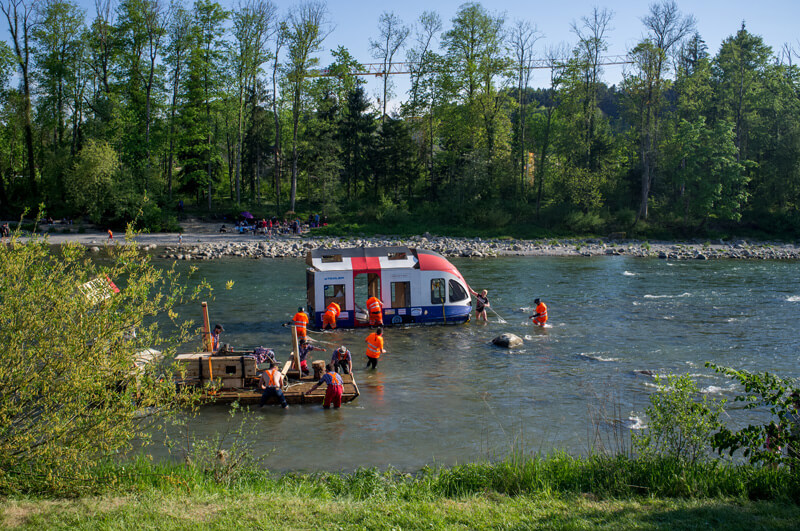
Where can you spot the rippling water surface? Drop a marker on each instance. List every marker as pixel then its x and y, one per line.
pixel 444 394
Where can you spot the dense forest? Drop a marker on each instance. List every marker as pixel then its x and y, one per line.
pixel 121 113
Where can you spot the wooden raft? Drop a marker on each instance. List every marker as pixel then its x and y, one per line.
pixel 236 379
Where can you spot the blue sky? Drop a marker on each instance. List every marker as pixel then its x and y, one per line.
pixel 355 21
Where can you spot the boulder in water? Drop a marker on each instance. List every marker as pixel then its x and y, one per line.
pixel 507 341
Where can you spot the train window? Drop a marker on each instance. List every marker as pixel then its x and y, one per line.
pixel 438 291
pixel 401 294
pixel 457 291
pixel 334 293
pixel 397 256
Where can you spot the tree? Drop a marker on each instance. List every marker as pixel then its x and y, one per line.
pixel 177 50
pixel 523 37
pixel 71 395
pixel 592 33
pixel 305 31
pixel 57 50
pixel 738 70
pixel 253 26
pixel 19 15
pixel 475 61
pixel 392 36
pixel 425 86
pixel 91 178
pixel 205 71
pixel 666 29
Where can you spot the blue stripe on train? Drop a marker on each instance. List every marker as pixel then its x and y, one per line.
pixel 453 314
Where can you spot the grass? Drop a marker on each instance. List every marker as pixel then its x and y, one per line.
pixel 557 491
pixel 260 510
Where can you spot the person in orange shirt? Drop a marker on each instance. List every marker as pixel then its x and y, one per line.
pixel 375 309
pixel 374 348
pixel 300 323
pixel 330 316
pixel 540 315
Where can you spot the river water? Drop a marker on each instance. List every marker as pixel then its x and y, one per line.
pixel 444 394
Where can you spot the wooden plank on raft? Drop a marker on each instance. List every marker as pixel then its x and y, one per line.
pixel 286 367
pixel 295 350
pixel 206 328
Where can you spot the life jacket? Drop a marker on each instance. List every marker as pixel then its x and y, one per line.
pixel 335 378
pixel 374 345
pixel 214 341
pixel 334 309
pixel 342 355
pixel 374 305
pixel 541 309
pixel 300 321
pixel 271 375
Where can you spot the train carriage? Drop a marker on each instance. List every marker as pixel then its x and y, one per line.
pixel 416 286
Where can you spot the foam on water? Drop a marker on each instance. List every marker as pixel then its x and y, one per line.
pixel 793 298
pixel 716 390
pixel 687 294
pixel 629 274
pixel 635 423
pixel 595 356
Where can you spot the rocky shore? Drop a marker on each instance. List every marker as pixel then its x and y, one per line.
pixel 297 247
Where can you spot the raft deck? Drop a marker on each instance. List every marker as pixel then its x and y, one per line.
pixel 237 376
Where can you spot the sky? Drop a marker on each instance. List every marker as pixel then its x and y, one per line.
pixel 354 22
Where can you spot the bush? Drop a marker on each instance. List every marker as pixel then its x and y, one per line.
pixel 584 223
pixel 70 391
pixel 680 425
pixel 778 441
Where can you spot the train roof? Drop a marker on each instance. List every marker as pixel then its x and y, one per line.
pixel 371 259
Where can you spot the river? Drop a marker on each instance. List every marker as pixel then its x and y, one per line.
pixel 444 394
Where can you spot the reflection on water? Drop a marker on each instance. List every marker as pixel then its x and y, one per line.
pixel 444 394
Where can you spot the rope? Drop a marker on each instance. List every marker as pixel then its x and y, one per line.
pixel 502 321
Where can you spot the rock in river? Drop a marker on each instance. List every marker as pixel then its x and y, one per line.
pixel 507 341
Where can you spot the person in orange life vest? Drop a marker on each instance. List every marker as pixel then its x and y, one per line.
pixel 540 315
pixel 375 309
pixel 304 348
pixel 342 359
pixel 271 384
pixel 300 323
pixel 110 235
pixel 215 337
pixel 333 394
pixel 330 316
pixel 374 348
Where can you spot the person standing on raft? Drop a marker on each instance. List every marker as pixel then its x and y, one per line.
pixel 329 317
pixel 374 348
pixel 333 394
pixel 342 359
pixel 481 302
pixel 540 316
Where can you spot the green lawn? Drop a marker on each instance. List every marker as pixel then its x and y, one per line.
pixel 253 510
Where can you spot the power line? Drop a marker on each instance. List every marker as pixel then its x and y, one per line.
pixel 408 67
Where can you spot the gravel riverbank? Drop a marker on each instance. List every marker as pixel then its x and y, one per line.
pixel 203 241
pixel 204 246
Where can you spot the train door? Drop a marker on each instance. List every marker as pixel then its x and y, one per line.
pixel 366 285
